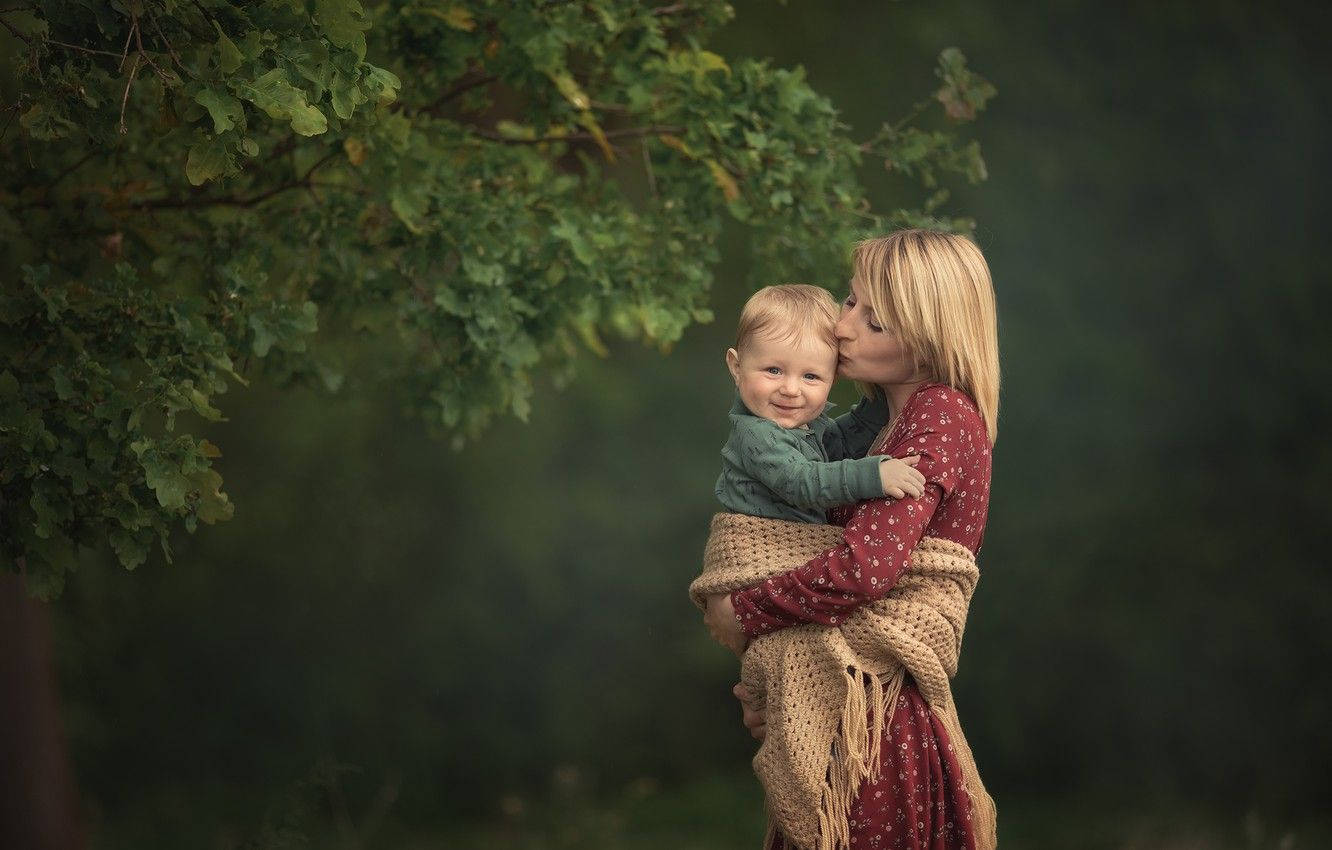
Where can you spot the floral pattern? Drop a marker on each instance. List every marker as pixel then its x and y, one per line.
pixel 919 800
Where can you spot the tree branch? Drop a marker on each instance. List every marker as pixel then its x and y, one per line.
pixel 71 169
pixel 69 46
pixel 462 87
pixel 171 48
pixel 232 201
pixel 134 69
pixel 20 36
pixel 621 133
pixel 201 200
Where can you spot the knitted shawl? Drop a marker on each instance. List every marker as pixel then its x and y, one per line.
pixel 826 690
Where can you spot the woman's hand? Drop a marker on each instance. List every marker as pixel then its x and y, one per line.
pixel 750 713
pixel 722 623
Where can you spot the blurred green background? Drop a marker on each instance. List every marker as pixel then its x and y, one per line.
pixel 397 645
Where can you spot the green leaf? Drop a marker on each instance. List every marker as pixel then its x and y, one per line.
pixel 200 403
pixel 346 95
pixel 207 159
pixel 213 505
pixel 131 549
pixel 280 99
pixel 226 111
pixel 963 93
pixel 343 21
pixel 409 204
pixel 263 335
pixel 450 13
pixel 165 479
pixel 61 384
pixel 307 320
pixel 572 92
pixel 43 123
pixel 229 57
pixel 486 274
pixel 308 121
pixel 381 84
pixel 310 59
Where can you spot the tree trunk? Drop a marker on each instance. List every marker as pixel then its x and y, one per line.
pixel 38 802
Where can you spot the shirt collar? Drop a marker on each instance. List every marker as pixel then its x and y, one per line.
pixel 738 408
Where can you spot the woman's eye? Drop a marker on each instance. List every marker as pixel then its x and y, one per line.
pixel 875 328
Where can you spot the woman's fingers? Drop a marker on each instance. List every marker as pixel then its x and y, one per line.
pixel 754 722
pixel 754 719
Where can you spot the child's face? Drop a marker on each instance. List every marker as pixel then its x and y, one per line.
pixel 785 382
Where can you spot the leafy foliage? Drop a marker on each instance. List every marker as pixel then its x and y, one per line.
pixel 196 191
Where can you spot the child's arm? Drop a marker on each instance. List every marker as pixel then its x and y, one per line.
pixel 853 432
pixel 771 455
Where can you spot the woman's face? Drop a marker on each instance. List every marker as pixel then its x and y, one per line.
pixel 866 351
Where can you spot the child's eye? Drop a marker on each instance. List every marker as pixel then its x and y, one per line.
pixel 773 370
pixel 810 376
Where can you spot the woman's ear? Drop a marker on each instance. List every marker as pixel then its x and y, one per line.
pixel 733 363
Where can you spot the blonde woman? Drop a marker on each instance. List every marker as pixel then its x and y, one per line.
pixel 918 326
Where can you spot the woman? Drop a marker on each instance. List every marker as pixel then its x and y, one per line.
pixel 919 325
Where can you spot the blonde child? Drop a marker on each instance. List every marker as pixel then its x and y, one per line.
pixel 785 458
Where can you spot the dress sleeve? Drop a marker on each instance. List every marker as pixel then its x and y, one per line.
pixel 852 433
pixel 876 548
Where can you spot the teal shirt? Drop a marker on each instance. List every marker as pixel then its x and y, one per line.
pixel 798 473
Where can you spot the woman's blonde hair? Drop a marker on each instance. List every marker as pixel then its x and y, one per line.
pixel 788 312
pixel 935 290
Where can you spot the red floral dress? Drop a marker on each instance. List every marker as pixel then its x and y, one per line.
pixel 919 800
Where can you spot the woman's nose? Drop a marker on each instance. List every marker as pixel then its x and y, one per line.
pixel 842 330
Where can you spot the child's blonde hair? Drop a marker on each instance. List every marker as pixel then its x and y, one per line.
pixel 788 312
pixel 935 290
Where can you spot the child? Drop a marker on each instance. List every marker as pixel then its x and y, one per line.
pixel 786 459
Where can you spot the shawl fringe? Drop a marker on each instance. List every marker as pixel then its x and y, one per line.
pixel 827 692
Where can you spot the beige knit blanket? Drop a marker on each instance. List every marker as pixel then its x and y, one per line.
pixel 826 690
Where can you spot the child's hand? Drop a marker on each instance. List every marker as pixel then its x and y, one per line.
pixel 900 479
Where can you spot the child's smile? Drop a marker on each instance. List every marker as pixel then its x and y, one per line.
pixel 784 381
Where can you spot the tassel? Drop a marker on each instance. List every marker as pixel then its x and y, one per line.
pixel 856 752
pixel 984 816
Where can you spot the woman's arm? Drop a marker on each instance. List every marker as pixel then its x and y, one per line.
pixel 877 541
pixel 875 551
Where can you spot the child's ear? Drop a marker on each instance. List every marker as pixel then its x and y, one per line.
pixel 733 363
